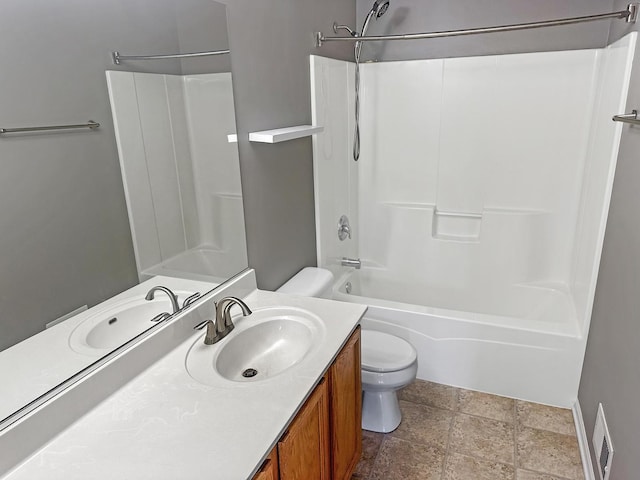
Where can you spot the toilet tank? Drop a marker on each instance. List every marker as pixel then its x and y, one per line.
pixel 309 282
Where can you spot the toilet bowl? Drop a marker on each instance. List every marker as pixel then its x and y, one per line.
pixel 388 362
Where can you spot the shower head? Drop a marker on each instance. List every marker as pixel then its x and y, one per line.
pixel 380 8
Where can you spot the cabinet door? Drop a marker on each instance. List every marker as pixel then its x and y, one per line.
pixel 345 392
pixel 303 452
pixel 269 470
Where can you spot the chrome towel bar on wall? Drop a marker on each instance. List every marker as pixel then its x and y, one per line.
pixel 90 125
pixel 631 118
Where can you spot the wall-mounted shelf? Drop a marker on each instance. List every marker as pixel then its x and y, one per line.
pixel 284 134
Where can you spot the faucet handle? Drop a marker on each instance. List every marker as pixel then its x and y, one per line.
pixel 202 324
pixel 344 229
pixel 212 335
pixel 161 317
pixel 190 299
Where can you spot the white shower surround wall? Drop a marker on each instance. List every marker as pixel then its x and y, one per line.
pixel 478 207
pixel 181 175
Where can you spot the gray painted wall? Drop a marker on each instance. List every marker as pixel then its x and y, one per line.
pixel 414 16
pixel 202 24
pixel 271 42
pixel 611 373
pixel 65 238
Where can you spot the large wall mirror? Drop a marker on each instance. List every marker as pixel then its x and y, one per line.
pixel 91 218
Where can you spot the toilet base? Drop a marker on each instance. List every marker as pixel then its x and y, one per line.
pixel 380 411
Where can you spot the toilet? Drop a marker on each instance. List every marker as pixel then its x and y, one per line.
pixel 388 363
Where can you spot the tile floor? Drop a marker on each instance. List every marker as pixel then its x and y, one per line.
pixel 453 434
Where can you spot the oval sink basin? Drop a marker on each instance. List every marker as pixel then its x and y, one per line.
pixel 264 350
pixel 263 345
pixel 109 328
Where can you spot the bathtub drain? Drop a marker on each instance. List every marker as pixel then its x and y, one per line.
pixel 347 287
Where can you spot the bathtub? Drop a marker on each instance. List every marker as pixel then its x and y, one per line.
pixel 521 341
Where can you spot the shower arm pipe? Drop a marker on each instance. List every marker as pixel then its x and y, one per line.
pixel 630 15
pixel 117 57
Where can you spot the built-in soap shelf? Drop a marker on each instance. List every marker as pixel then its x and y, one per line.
pixel 459 226
pixel 284 134
pixel 447 225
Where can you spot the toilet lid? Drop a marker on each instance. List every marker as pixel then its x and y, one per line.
pixel 382 352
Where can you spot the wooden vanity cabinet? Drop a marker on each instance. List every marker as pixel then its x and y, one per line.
pixel 345 393
pixel 303 451
pixel 269 470
pixel 324 441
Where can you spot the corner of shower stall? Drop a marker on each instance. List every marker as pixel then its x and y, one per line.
pixel 479 232
pixel 184 204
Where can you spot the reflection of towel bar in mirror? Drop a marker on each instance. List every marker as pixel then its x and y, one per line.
pixel 631 118
pixel 117 58
pixel 90 124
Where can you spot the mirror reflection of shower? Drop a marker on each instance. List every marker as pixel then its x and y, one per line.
pixel 378 9
pixel 181 174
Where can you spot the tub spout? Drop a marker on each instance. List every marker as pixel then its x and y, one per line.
pixel 351 262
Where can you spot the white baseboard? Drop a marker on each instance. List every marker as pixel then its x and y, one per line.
pixel 583 442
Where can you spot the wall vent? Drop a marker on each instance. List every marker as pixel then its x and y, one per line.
pixel 602 445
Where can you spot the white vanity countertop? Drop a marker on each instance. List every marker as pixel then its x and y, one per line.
pixel 35 365
pixel 166 425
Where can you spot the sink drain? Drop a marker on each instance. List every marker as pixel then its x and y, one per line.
pixel 250 372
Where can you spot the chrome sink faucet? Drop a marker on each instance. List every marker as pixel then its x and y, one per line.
pixel 223 324
pixel 172 296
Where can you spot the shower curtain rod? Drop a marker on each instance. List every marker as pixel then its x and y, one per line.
pixel 630 15
pixel 117 57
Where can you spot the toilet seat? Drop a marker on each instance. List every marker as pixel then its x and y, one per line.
pixel 383 353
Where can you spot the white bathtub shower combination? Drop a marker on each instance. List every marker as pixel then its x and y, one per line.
pixel 478 207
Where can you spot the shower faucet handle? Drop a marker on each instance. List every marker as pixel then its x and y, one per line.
pixel 344 229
